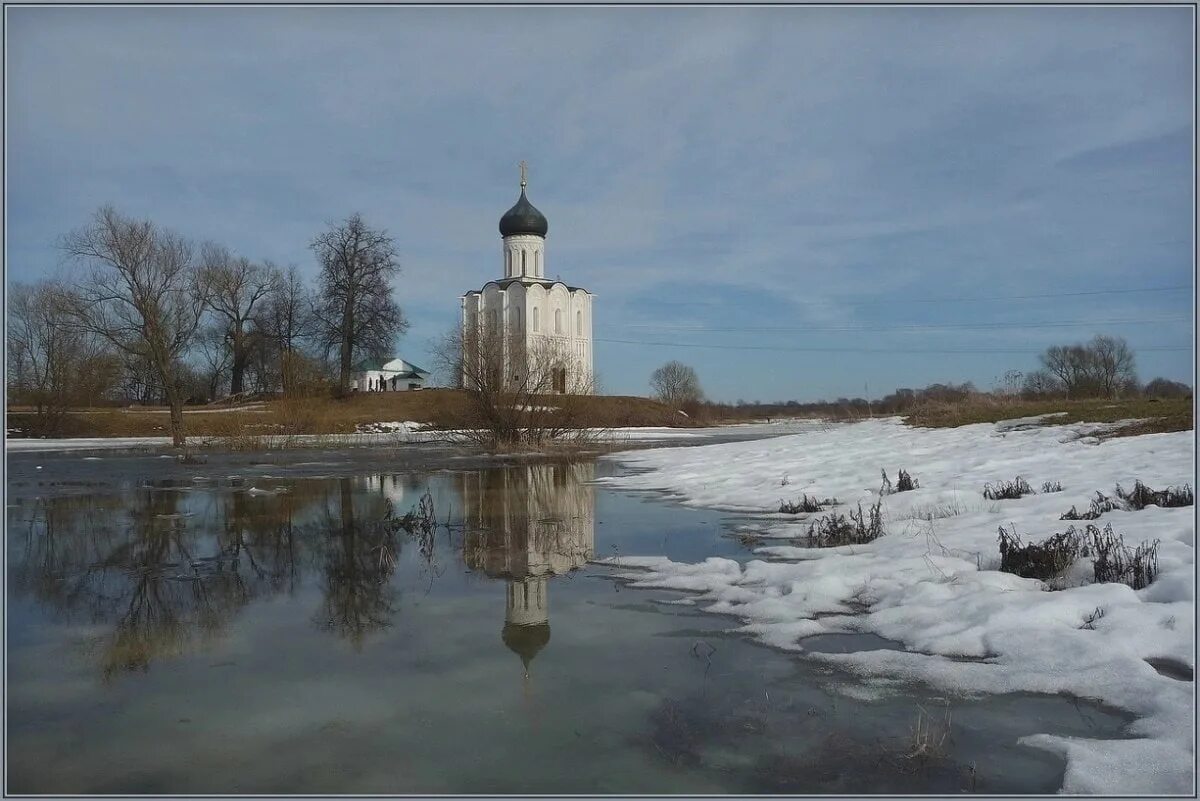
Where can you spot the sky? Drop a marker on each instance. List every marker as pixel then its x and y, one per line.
pixel 801 203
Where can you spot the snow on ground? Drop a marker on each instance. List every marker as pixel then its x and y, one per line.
pixel 391 427
pixel 931 582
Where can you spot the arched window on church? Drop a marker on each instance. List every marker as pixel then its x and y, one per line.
pixel 516 318
pixel 558 321
pixel 537 263
pixel 522 262
pixel 508 262
pixel 535 318
pixel 578 323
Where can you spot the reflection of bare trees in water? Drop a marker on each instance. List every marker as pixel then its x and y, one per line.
pixel 358 598
pixel 166 568
pixel 140 564
pixel 54 563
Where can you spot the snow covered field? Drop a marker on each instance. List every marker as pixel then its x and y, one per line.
pixel 932 582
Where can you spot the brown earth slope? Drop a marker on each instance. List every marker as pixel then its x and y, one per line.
pixel 437 407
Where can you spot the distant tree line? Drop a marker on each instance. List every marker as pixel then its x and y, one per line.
pixel 1104 367
pixel 147 316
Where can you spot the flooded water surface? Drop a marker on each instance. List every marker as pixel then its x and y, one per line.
pixel 330 625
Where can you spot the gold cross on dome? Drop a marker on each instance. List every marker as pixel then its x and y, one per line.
pixel 524 169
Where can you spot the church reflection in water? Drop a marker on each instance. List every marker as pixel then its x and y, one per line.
pixel 527 525
pixel 161 569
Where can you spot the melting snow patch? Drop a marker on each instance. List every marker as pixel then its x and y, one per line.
pixel 393 427
pixel 930 582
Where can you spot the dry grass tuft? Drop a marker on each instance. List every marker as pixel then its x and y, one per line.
pixel 1047 560
pixel 857 528
pixel 805 505
pixel 1007 490
pixel 1142 496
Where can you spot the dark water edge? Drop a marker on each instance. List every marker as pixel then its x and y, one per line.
pixel 271 624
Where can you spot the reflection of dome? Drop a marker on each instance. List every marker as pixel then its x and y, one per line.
pixel 526 641
pixel 523 218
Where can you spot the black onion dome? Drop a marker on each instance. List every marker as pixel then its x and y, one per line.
pixel 526 641
pixel 523 218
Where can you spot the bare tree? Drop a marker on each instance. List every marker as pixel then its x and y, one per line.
pixel 1041 384
pixel 138 381
pixel 1104 367
pixel 53 366
pixel 286 321
pixel 1069 364
pixel 144 296
pixel 214 358
pixel 354 312
pixel 236 285
pixel 1112 364
pixel 676 384
pixel 517 394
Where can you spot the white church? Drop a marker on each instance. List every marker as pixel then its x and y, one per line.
pixel 531 314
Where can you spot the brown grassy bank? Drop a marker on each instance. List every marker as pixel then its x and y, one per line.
pixel 1158 415
pixel 439 408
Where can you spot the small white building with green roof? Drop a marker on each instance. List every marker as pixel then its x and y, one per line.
pixel 387 375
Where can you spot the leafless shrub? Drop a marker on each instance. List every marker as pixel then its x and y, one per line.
pixel 1051 486
pixel 1044 560
pixel 1099 505
pixel 855 529
pixel 805 504
pixel 1116 562
pixel 905 482
pixel 518 395
pixel 1007 490
pixel 1142 496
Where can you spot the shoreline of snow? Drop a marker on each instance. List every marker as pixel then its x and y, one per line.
pixel 932 584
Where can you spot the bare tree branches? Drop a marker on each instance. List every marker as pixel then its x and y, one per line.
pixel 676 384
pixel 52 366
pixel 143 295
pixel 1103 367
pixel 236 286
pixel 285 321
pixel 520 393
pixel 354 311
